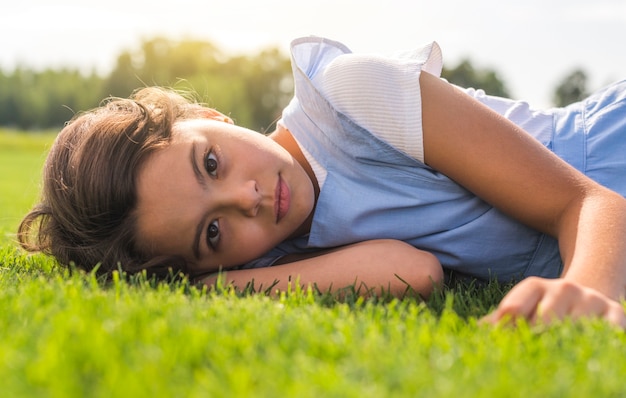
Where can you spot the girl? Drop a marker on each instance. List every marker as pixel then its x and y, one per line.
pixel 379 173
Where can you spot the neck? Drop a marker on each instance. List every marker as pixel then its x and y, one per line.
pixel 284 138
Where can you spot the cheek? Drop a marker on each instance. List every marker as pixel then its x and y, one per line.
pixel 250 241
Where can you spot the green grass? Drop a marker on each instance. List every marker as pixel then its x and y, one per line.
pixel 21 159
pixel 65 334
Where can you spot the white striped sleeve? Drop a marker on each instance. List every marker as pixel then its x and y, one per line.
pixel 382 94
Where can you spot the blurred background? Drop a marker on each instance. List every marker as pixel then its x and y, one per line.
pixel 60 57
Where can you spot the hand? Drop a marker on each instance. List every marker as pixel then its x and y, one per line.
pixel 543 301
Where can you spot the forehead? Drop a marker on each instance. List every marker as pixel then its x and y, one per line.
pixel 165 182
pixel 186 130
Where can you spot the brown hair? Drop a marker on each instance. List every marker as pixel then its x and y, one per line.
pixel 86 214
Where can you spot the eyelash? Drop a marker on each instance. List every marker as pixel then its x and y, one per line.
pixel 213 229
pixel 211 163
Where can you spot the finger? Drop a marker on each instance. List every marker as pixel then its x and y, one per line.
pixel 588 303
pixel 616 316
pixel 521 301
pixel 559 301
pixel 591 304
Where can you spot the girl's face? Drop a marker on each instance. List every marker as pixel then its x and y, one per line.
pixel 220 195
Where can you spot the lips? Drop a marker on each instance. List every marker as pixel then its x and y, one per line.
pixel 283 199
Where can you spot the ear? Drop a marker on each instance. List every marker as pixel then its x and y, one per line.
pixel 213 114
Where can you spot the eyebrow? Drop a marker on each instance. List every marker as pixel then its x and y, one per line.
pixel 195 246
pixel 194 166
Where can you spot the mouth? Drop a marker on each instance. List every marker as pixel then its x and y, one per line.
pixel 282 199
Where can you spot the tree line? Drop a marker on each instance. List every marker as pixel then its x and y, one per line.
pixel 253 89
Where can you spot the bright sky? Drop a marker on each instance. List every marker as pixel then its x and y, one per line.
pixel 532 44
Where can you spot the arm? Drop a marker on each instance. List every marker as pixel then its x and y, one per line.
pixel 502 164
pixel 370 266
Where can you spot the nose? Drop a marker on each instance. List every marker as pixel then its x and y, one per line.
pixel 243 197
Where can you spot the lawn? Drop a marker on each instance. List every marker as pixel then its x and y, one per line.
pixel 67 334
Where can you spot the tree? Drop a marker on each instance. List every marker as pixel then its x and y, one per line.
pixel 251 89
pixel 465 75
pixel 48 98
pixel 266 89
pixel 123 79
pixel 571 89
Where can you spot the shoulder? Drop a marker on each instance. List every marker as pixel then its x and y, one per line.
pixel 315 55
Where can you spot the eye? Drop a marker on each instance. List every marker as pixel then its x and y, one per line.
pixel 211 164
pixel 213 234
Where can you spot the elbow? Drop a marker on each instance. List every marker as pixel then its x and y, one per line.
pixel 415 271
pixel 430 278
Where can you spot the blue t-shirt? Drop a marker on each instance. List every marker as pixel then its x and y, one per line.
pixel 373 190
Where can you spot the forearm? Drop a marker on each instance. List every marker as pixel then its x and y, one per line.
pixel 371 267
pixel 592 239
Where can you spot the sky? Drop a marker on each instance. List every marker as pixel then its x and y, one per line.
pixel 531 44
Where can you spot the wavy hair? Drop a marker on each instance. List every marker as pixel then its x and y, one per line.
pixel 86 213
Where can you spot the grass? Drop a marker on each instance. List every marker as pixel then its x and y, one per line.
pixel 21 159
pixel 66 334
